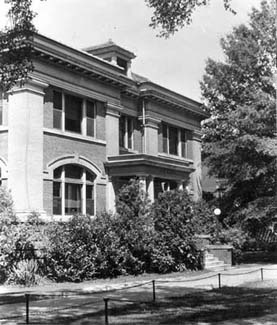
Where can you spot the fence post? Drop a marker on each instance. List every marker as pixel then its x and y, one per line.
pixel 154 290
pixel 106 300
pixel 219 280
pixel 27 297
pixel 262 274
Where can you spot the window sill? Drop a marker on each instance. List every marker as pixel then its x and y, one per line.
pixel 63 218
pixel 3 128
pixel 161 154
pixel 125 151
pixel 72 135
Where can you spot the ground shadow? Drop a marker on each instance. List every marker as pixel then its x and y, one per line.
pixel 173 305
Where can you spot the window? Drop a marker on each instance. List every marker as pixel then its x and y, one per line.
pixel 57 110
pixel 122 63
pixel 174 140
pixel 73 190
pixel 74 114
pixel 91 109
pixel 126 132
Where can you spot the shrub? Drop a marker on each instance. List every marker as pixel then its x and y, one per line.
pixel 72 251
pixel 172 215
pixel 134 226
pixel 25 273
pixel 20 241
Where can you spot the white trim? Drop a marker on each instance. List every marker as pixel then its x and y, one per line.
pixel 72 135
pixel 82 182
pixel 73 159
pixel 179 144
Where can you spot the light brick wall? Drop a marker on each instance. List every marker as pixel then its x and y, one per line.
pixel 100 198
pixel 137 136
pixel 48 108
pixel 4 145
pixel 100 121
pixel 48 197
pixel 55 146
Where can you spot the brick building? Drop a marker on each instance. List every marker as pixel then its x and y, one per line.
pixel 84 124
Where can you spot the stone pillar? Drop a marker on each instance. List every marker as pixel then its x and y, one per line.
pixel 150 138
pixel 180 185
pixel 112 129
pixel 197 174
pixel 142 181
pixel 25 147
pixel 150 188
pixel 110 196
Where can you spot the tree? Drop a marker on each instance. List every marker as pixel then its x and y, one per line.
pixel 239 138
pixel 173 15
pixel 16 45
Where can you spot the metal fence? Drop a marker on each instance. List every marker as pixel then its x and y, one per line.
pixel 31 301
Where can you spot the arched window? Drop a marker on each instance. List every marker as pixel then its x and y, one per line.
pixel 73 190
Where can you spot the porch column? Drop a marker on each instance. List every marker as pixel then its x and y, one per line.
pixel 180 185
pixel 142 181
pixel 25 146
pixel 150 188
pixel 110 201
pixel 197 174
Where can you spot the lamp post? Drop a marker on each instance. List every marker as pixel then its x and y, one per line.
pixel 217 213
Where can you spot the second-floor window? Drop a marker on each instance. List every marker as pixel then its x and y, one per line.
pixel 74 114
pixel 174 140
pixel 126 126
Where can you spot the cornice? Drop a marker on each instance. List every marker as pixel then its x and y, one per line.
pixel 160 94
pixel 48 50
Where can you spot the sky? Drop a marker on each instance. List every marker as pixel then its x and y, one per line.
pixel 177 63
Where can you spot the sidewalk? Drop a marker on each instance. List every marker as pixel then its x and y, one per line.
pixel 189 279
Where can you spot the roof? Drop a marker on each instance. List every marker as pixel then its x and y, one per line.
pixel 92 66
pixel 109 47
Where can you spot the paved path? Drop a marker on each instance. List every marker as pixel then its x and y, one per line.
pixel 73 303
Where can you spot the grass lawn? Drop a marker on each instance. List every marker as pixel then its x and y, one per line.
pixel 254 303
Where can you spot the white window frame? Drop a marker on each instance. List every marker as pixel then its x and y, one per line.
pixel 179 144
pixel 84 115
pixel 126 131
pixel 82 182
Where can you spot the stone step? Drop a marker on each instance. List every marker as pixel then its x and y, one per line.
pixel 211 258
pixel 214 264
pixel 223 267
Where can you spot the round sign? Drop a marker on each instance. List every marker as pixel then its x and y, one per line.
pixel 217 211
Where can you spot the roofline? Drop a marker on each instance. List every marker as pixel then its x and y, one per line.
pixel 85 61
pixel 174 93
pixel 110 47
pixel 151 89
pixel 101 69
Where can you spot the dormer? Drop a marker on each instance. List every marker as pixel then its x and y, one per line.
pixel 113 53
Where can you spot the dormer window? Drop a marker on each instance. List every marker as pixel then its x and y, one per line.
pixel 122 63
pixel 113 53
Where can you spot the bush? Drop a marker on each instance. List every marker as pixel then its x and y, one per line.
pixel 72 251
pixel 134 226
pixel 175 247
pixel 139 238
pixel 18 241
pixel 25 273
